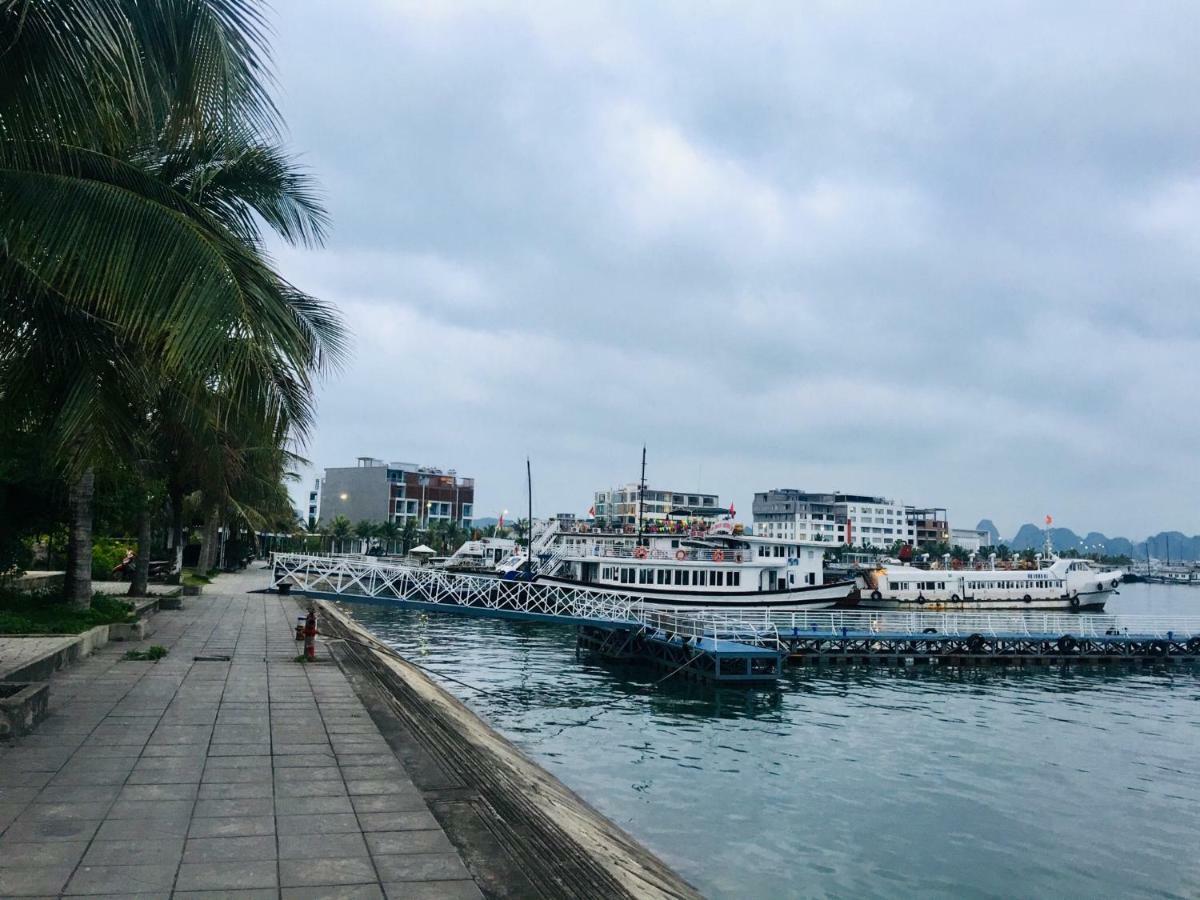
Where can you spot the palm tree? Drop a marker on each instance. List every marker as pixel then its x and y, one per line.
pixel 340 529
pixel 408 535
pixel 364 530
pixel 388 532
pixel 134 174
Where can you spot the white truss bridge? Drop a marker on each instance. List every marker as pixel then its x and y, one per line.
pixel 481 595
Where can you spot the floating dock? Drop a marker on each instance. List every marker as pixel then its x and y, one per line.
pixel 751 645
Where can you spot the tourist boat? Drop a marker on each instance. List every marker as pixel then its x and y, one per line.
pixel 1061 584
pixel 689 559
pixel 478 556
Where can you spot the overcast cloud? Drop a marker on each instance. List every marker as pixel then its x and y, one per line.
pixel 943 252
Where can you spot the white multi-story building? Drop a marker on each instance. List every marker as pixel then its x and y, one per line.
pixel 620 505
pixel 314 504
pixel 969 539
pixel 855 519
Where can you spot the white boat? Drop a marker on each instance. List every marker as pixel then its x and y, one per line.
pixel 481 556
pixel 1070 584
pixel 697 562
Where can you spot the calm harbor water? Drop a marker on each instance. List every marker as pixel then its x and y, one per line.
pixel 869 782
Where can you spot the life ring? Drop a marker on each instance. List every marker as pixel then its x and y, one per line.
pixel 1075 602
pixel 718 556
pixel 875 595
pixel 954 598
pixel 929 631
pixel 920 598
pixel 738 557
pixel 680 555
pixel 640 552
pixel 975 643
pixel 1027 598
pixel 1066 643
pixel 1115 582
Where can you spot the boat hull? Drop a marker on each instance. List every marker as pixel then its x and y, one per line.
pixel 1091 602
pixel 821 596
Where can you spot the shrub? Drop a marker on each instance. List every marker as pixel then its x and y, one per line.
pixel 45 613
pixel 107 553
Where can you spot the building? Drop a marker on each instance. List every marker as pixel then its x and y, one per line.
pixel 855 519
pixel 314 504
pixel 836 517
pixel 931 524
pixel 969 539
pixel 620 505
pixel 379 491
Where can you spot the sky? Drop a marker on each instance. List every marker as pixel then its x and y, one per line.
pixel 941 252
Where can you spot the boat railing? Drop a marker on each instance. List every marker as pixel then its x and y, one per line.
pixel 839 622
pixel 680 555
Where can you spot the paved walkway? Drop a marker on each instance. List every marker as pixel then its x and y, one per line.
pixel 192 777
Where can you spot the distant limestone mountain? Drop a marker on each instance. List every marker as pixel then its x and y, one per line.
pixel 993 532
pixel 1174 545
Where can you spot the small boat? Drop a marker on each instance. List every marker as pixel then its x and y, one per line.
pixel 480 556
pixel 1059 584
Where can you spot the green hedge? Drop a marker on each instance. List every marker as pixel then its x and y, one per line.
pixel 45 613
pixel 106 553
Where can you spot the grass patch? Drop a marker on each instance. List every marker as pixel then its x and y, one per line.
pixel 22 612
pixel 194 579
pixel 150 654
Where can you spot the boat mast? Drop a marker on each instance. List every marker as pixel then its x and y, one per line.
pixel 641 495
pixel 529 546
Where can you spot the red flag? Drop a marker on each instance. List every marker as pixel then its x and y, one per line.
pixel 500 524
pixel 591 511
pixel 1049 520
pixel 731 512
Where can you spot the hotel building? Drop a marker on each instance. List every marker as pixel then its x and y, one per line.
pixel 380 491
pixel 620 505
pixel 856 519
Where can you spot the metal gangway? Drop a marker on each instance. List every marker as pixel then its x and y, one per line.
pixel 670 633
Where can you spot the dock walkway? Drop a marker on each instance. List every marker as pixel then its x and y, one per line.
pixel 225 769
pixel 750 645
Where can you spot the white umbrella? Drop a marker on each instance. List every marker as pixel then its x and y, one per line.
pixel 422 549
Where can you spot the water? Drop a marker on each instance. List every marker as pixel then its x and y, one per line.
pixel 869 782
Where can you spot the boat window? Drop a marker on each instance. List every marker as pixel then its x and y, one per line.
pixel 703 576
pixel 681 576
pixel 735 578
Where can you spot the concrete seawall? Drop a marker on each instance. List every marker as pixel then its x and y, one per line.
pixel 518 825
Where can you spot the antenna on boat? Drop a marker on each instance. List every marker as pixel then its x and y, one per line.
pixel 529 546
pixel 641 495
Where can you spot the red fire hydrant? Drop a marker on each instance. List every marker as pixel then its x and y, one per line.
pixel 310 635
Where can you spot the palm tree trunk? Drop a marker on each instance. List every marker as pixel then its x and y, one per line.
pixel 78 579
pixel 177 529
pixel 141 565
pixel 208 549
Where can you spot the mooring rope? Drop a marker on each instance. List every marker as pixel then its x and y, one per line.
pixel 330 640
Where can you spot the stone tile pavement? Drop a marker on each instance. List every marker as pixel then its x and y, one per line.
pixel 251 777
